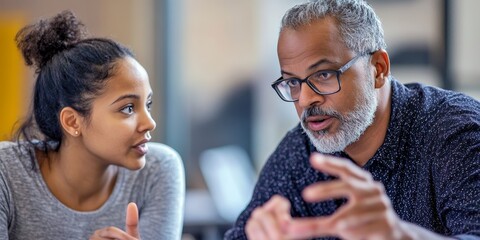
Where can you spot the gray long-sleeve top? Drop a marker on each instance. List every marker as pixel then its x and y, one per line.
pixel 28 210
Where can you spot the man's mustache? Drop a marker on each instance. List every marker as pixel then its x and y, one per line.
pixel 315 110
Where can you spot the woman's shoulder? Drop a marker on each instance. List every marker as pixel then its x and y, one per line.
pixel 7 146
pixel 161 152
pixel 162 158
pixel 15 158
pixel 12 151
pixel 163 171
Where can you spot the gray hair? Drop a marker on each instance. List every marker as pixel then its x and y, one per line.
pixel 359 26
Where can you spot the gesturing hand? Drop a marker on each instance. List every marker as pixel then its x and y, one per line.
pixel 131 220
pixel 131 227
pixel 269 220
pixel 368 213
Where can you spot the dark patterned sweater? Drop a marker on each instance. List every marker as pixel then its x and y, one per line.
pixel 429 164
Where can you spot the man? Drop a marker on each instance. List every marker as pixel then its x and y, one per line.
pixel 397 161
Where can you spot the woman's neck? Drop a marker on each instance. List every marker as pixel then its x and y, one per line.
pixel 76 178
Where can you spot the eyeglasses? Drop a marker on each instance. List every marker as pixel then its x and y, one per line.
pixel 323 82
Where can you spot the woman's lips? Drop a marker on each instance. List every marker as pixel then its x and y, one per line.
pixel 142 149
pixel 319 123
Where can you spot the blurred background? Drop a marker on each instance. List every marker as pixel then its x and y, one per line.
pixel 211 63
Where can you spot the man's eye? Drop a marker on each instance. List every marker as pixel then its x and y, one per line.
pixel 293 82
pixel 127 109
pixel 322 75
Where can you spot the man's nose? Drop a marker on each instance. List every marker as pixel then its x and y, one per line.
pixel 308 97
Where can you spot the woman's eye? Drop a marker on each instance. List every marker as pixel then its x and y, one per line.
pixel 149 105
pixel 127 109
pixel 293 82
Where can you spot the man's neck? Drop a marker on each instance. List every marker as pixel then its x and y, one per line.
pixel 365 148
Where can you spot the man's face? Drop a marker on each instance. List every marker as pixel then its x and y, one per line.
pixel 332 122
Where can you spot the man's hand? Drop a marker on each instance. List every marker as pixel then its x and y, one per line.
pixel 368 213
pixel 269 220
pixel 131 227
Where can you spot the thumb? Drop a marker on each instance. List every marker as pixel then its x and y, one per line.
pixel 131 221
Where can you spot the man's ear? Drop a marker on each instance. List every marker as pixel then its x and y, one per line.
pixel 381 62
pixel 70 120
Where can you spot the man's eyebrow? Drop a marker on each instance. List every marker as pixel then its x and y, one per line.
pixel 311 67
pixel 134 96
pixel 319 62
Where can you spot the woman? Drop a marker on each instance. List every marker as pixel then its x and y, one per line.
pixel 82 155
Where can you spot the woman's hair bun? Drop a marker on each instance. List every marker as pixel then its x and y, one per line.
pixel 41 41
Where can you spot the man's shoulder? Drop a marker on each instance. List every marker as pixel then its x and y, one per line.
pixel 435 97
pixel 293 148
pixel 295 139
pixel 432 104
pixel 428 113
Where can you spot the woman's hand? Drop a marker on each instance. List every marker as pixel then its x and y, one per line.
pixel 131 227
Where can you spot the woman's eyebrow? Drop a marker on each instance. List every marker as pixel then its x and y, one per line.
pixel 134 96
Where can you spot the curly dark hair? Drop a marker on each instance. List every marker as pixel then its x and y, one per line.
pixel 71 69
pixel 41 41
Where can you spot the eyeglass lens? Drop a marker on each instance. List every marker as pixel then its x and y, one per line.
pixel 322 82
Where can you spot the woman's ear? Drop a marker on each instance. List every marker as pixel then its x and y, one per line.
pixel 381 62
pixel 70 121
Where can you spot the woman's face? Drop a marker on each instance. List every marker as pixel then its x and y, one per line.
pixel 120 120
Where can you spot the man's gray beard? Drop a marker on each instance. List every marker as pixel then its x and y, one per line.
pixel 352 124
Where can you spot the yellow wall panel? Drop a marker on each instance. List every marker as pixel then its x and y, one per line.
pixel 11 76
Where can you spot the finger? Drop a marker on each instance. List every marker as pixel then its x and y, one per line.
pixel 280 207
pixel 112 233
pixel 369 210
pixel 349 219
pixel 370 227
pixel 95 236
pixel 334 226
pixel 355 224
pixel 339 167
pixel 367 206
pixel 277 202
pixel 330 226
pixel 254 229
pixel 326 190
pixel 268 220
pixel 306 228
pixel 270 225
pixel 352 189
pixel 131 221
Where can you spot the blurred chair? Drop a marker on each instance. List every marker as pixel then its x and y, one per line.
pixel 230 179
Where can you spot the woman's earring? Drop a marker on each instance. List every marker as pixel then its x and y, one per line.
pixel 76 132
